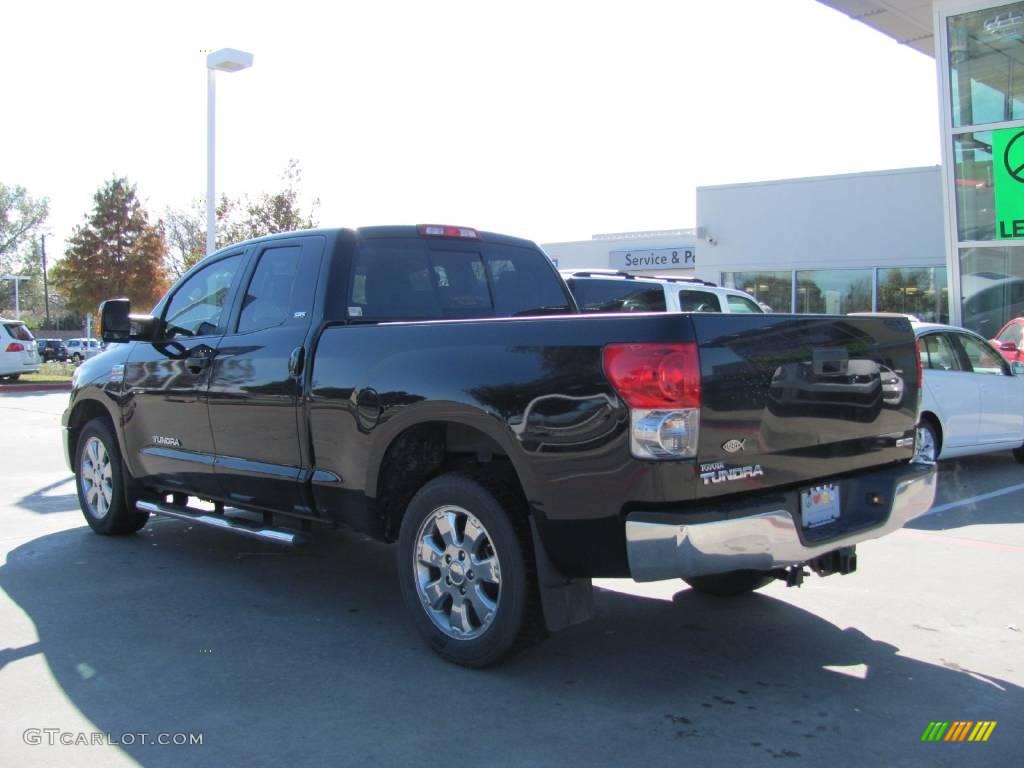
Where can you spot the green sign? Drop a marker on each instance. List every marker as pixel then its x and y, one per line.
pixel 1008 181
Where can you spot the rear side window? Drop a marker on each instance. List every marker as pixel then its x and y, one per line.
pixel 598 295
pixel 407 279
pixel 698 301
pixel 281 289
pixel 742 304
pixel 938 353
pixel 1012 333
pixel 18 331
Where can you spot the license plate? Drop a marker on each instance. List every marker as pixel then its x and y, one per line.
pixel 819 505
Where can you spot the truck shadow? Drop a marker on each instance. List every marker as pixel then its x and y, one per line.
pixel 306 657
pixel 44 500
pixel 972 479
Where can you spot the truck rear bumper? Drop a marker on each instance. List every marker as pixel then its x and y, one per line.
pixel 666 545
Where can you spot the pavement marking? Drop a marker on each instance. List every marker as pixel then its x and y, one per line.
pixel 973 499
pixel 976 543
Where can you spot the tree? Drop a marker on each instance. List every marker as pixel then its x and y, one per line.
pixel 237 219
pixel 186 239
pixel 116 252
pixel 268 214
pixel 21 218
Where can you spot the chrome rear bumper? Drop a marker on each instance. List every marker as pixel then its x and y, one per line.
pixel 658 547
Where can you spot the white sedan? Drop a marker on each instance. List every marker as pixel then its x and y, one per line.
pixel 973 400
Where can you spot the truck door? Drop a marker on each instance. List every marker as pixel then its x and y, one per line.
pixel 166 425
pixel 256 379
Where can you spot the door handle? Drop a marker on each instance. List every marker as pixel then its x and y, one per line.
pixel 199 357
pixel 296 360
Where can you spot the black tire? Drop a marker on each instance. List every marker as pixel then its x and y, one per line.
pixel 1018 454
pixel 730 584
pixel 11 377
pixel 100 479
pixel 76 358
pixel 496 511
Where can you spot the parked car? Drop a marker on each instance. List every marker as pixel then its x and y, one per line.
pixel 1010 340
pixel 52 349
pixel 83 349
pixel 18 353
pixel 973 399
pixel 600 290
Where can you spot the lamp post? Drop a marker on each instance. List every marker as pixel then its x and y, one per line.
pixel 46 287
pixel 17 300
pixel 224 60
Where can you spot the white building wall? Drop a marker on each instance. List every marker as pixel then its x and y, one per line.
pixel 597 252
pixel 879 219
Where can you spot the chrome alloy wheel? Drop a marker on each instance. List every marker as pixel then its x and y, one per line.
pixel 925 449
pixel 458 576
pixel 94 473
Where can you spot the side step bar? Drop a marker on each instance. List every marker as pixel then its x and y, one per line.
pixel 275 535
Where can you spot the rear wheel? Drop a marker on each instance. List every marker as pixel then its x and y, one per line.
pixel 10 377
pixel 730 584
pixel 466 570
pixel 926 443
pixel 100 479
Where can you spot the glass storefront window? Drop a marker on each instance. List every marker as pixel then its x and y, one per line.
pixel 992 287
pixel 919 291
pixel 833 291
pixel 772 288
pixel 986 61
pixel 975 205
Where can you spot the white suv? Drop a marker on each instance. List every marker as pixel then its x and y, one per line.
pixel 83 349
pixel 600 290
pixel 18 352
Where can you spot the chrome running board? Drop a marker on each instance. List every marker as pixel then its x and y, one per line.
pixel 275 535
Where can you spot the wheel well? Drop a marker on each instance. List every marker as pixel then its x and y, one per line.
pixel 84 412
pixel 933 422
pixel 425 451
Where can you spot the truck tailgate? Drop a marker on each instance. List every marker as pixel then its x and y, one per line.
pixel 788 399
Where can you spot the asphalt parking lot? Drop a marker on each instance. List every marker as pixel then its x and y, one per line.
pixel 305 657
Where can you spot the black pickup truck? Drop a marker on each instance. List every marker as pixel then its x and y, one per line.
pixel 436 386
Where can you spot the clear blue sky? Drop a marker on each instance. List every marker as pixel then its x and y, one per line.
pixel 550 120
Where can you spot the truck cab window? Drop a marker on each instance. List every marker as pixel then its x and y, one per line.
pixel 276 294
pixel 197 306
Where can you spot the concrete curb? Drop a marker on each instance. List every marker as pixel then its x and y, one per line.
pixel 30 387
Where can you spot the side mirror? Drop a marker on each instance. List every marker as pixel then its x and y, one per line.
pixel 117 324
pixel 1008 346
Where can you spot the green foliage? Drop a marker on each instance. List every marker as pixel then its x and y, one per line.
pixel 267 214
pixel 237 219
pixel 116 252
pixel 21 220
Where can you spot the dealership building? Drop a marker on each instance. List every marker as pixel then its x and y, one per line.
pixel 943 243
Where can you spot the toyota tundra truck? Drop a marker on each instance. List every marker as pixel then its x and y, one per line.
pixel 436 387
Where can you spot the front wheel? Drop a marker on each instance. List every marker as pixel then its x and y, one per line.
pixel 100 479
pixel 76 358
pixel 466 570
pixel 730 584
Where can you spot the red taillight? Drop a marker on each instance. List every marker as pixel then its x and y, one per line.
pixel 442 230
pixel 15 347
pixel 654 375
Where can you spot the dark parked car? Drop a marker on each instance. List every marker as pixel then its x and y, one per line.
pixel 52 349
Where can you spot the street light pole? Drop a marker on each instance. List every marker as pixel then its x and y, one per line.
pixel 17 300
pixel 224 60
pixel 46 287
